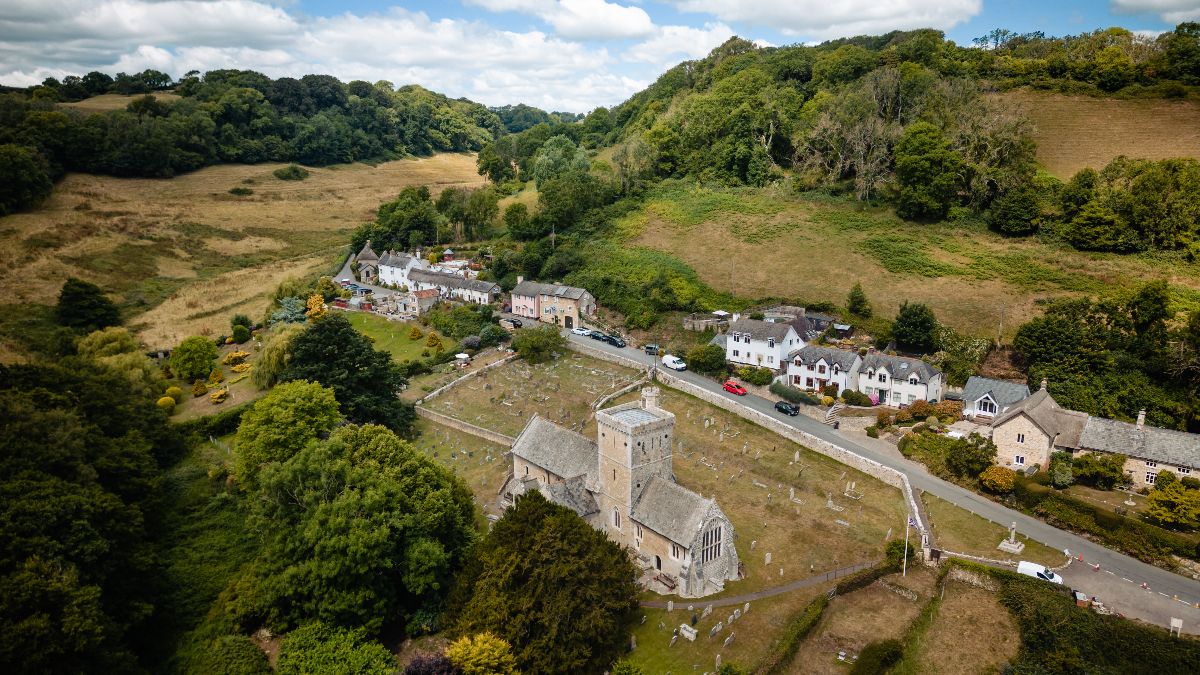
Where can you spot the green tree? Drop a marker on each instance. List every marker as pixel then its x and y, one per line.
pixel 115 348
pixel 1103 471
pixel 365 381
pixel 1174 506
pixel 83 306
pixel 360 530
pixel 929 173
pixel 915 329
pixel 289 417
pixel 193 358
pixel 706 359
pixel 243 320
pixel 273 358
pixel 520 224
pixel 538 345
pixel 111 341
pixel 558 590
pixel 1015 212
pixel 24 178
pixel 969 457
pixel 1113 69
pixel 1060 470
pixel 557 156
pixel 241 334
pixel 857 302
pixel 844 64
pixel 482 654
pixel 234 655
pixel 320 648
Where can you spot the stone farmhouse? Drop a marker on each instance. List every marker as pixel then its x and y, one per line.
pixel 766 344
pixel 564 306
pixel 814 367
pixel 899 380
pixel 984 398
pixel 1029 431
pixel 623 484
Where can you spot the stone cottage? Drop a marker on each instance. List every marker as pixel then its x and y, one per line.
pixel 368 263
pixel 622 483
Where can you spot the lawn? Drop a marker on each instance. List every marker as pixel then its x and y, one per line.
pixel 241 388
pixel 393 336
pixel 956 529
pixel 505 398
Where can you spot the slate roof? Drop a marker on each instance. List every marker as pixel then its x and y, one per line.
pixel 760 330
pixel 557 449
pixel 900 366
pixel 453 281
pixel 367 254
pixel 1062 425
pixel 812 353
pixel 718 340
pixel 671 510
pixel 1003 392
pixel 573 494
pixel 531 288
pixel 1177 448
pixel 394 259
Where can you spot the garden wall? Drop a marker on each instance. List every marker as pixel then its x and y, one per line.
pixel 467 376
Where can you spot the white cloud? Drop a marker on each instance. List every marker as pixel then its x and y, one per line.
pixel 675 43
pixel 580 19
pixel 456 57
pixel 827 19
pixel 1171 11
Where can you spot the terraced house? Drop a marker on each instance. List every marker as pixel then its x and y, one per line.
pixel 556 304
pixel 814 367
pixel 899 380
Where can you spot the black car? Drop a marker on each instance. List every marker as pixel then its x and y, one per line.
pixel 614 340
pixel 597 335
pixel 516 323
pixel 787 408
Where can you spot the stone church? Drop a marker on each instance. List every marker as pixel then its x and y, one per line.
pixel 622 483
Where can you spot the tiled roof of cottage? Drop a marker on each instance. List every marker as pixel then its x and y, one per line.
pixel 427 293
pixel 531 288
pixel 453 281
pixel 900 366
pixel 760 330
pixel 1003 392
pixel 812 353
pixel 1063 426
pixel 557 449
pixel 1160 445
pixel 671 510
pixel 366 254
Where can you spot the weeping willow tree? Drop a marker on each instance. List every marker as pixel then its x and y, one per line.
pixel 116 349
pixel 274 356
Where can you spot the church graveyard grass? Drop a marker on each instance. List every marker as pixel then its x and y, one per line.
pixel 481 464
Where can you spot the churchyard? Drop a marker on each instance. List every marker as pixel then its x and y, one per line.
pixel 956 529
pixel 481 464
pixel 505 398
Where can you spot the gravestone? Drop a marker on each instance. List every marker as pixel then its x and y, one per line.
pixel 670 605
pixel 728 641
pixel 745 608
pixel 768 562
pixel 729 621
pixel 753 543
pixel 674 638
pixel 737 613
pixel 632 642
pixel 718 662
pixel 1011 545
pixel 687 632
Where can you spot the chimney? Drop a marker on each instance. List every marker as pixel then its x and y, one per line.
pixel 520 278
pixel 1141 422
pixel 650 398
pixel 1043 384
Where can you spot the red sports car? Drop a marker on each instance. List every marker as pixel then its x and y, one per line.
pixel 734 388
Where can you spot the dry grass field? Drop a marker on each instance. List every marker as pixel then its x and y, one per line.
pixel 106 102
pixel 992 637
pixel 189 250
pixel 1077 132
pixel 771 243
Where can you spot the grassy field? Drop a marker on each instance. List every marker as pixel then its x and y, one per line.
pixel 959 530
pixel 241 388
pixel 771 242
pixel 182 255
pixel 392 336
pixel 107 102
pixel 968 611
pixel 1077 132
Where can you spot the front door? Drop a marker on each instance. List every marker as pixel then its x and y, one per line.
pixel 569 322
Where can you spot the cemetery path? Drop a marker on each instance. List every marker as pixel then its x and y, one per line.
pixel 766 593
pixel 1182 593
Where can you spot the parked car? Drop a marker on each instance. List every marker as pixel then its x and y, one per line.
pixel 1031 569
pixel 580 330
pixel 344 283
pixel 734 388
pixel 787 408
pixel 516 323
pixel 652 350
pixel 597 335
pixel 614 340
pixel 674 362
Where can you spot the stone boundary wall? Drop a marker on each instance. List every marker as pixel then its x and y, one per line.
pixel 466 427
pixel 971 578
pixel 641 382
pixel 605 356
pixel 442 389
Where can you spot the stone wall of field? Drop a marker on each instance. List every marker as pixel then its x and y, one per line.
pixel 446 387
pixel 466 427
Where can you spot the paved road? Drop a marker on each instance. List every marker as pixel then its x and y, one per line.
pixel 1155 606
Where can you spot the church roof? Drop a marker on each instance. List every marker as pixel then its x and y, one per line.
pixel 573 494
pixel 671 510
pixel 556 449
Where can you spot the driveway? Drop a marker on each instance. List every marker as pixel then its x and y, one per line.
pixel 1157 606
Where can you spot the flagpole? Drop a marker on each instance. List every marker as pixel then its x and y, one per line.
pixel 907 520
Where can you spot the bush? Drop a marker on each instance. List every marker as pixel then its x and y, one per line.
pixel 893 552
pixel 856 398
pixel 415 333
pixel 240 320
pixel 175 393
pixel 998 479
pixel 199 388
pixel 798 628
pixel 234 655
pixel 827 401
pixel 241 191
pixel 706 359
pixel 920 409
pixel 241 334
pixel 877 657
pixel 291 172
pixel 883 418
pixel 903 415
pixel 166 404
pixel 321 648
pixel 193 358
pixel 235 357
pixel 493 335
pixel 873 432
pixel 1061 475
pixel 471 342
pixel 793 394
pixel 757 376
pixel 216 376
pixel 219 396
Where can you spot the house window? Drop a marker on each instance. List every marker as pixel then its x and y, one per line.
pixel 911 398
pixel 1152 465
pixel 895 397
pixel 639 530
pixel 614 474
pixel 710 549
pixel 770 359
pixel 526 469
pixel 735 353
pixel 808 382
pixel 675 551
pixel 1183 471
pixel 836 370
pixel 1020 438
pixel 912 380
pixel 616 519
pixel 882 377
pixel 1150 476
pixel 986 406
pixel 1019 460
pixel 796 379
pixel 770 343
pixel 821 369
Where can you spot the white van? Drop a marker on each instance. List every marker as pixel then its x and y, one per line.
pixel 1037 571
pixel 674 362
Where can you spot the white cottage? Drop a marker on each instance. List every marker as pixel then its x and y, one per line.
pixel 814 367
pixel 751 342
pixel 899 380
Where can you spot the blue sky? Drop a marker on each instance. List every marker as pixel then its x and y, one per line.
pixel 556 54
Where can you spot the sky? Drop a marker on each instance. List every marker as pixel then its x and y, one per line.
pixel 570 55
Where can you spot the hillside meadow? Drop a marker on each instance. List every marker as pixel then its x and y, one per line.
pixel 182 255
pixel 771 242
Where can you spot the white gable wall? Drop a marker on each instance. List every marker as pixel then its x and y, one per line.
pixel 742 349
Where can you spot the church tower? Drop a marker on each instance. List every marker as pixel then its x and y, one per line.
pixel 634 446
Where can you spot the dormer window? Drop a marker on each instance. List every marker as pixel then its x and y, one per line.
pixel 771 343
pixel 912 380
pixel 882 376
